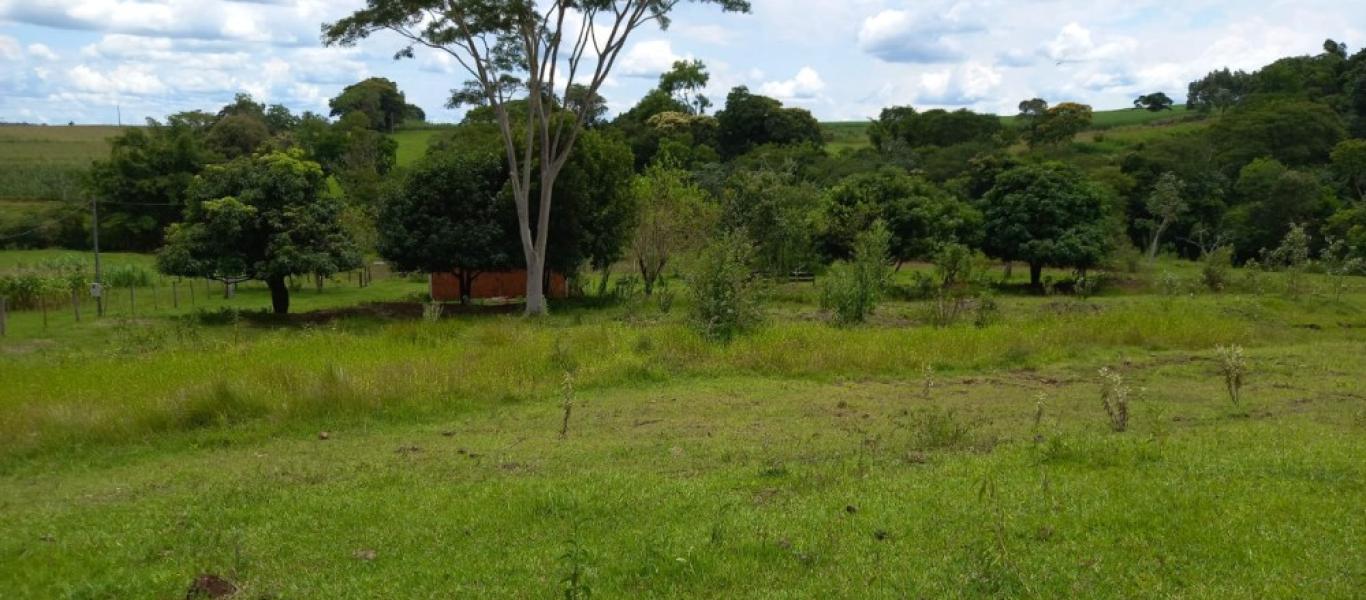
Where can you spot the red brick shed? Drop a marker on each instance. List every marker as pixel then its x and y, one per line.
pixel 501 284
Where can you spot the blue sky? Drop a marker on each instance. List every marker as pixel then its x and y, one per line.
pixel 77 60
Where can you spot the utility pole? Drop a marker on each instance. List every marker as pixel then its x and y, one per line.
pixel 98 288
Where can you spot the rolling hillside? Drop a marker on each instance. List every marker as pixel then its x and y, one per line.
pixel 852 135
pixel 37 162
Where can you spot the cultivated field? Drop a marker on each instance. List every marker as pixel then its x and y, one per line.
pixel 340 451
pixel 36 162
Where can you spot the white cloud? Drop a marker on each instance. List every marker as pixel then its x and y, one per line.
pixel 42 52
pixel 10 48
pixel 960 86
pixel 648 59
pixel 900 36
pixel 280 22
pixel 806 85
pixel 862 55
pixel 1075 44
pixel 124 79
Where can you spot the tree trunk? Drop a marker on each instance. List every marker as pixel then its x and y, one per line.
pixel 1157 239
pixel 535 289
pixel 649 275
pixel 602 283
pixel 1036 275
pixel 279 294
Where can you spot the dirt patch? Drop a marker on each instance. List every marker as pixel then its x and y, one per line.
pixel 1072 307
pixel 210 586
pixel 389 311
pixel 27 346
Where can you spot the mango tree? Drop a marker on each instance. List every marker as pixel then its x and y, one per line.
pixel 265 217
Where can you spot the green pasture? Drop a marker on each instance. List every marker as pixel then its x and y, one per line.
pixel 338 455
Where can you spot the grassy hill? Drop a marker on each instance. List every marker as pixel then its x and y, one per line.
pixel 36 160
pixel 852 135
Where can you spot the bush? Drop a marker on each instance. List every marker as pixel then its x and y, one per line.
pixel 126 276
pixel 1114 398
pixel 959 287
pixel 1292 256
pixel 30 289
pixel 852 290
pixel 1125 257
pixel 1233 366
pixel 725 295
pixel 1214 268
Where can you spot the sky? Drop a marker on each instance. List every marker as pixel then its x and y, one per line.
pixel 96 61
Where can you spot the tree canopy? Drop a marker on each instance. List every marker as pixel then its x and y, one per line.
pixel 904 126
pixel 377 98
pixel 144 183
pixel 750 120
pixel 920 216
pixel 448 215
pixel 1154 102
pixel 264 217
pixel 1046 215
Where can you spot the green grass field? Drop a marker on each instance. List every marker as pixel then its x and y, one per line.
pixel 372 456
pixel 853 135
pixel 36 162
pixel 412 144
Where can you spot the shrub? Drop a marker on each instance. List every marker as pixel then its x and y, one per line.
pixel 1293 257
pixel 1214 268
pixel 938 429
pixel 1233 366
pixel 852 290
pixel 1086 286
pixel 957 287
pixel 1125 257
pixel 126 276
pixel 1340 264
pixel 431 311
pixel 725 295
pixel 1170 283
pixel 29 289
pixel 1114 397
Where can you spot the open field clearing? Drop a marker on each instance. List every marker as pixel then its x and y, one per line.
pixel 41 162
pixel 408 458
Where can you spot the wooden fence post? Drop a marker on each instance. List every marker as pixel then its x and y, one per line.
pixel 42 303
pixel 4 315
pixel 156 301
pixel 76 304
pixel 175 295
